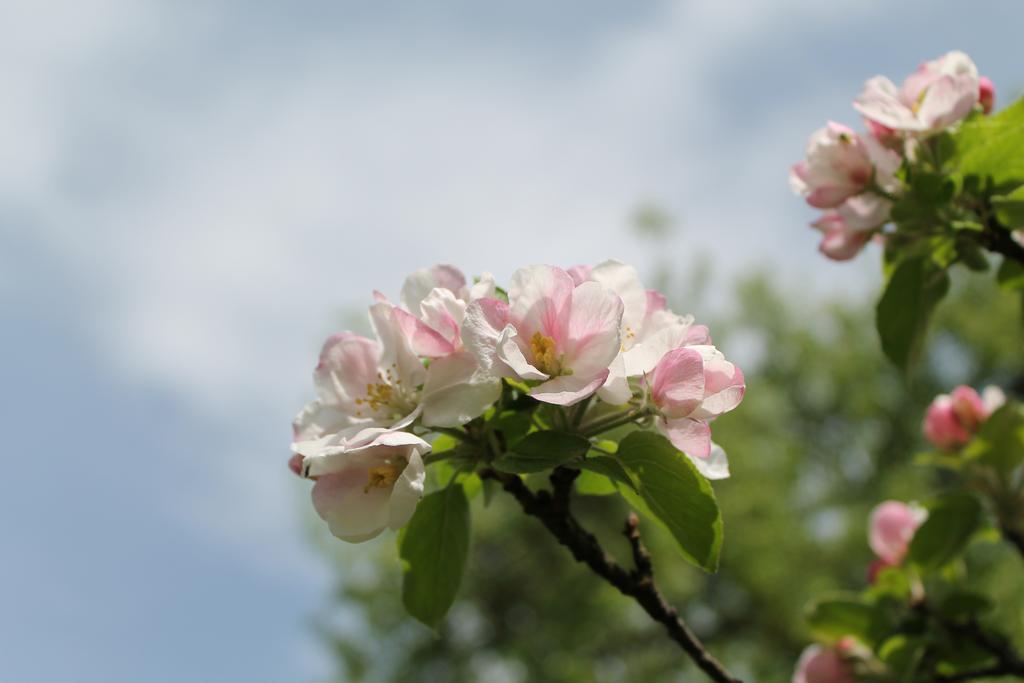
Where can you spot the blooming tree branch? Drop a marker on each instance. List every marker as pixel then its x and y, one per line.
pixel 552 510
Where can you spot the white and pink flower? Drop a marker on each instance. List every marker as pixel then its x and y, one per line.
pixel 366 480
pixel 690 386
pixel 953 419
pixel 891 527
pixel 839 164
pixel 848 228
pixel 646 321
pixel 937 95
pixel 552 331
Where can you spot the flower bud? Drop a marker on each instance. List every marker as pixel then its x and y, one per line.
pixel 891 527
pixel 818 664
pixel 986 94
pixel 953 419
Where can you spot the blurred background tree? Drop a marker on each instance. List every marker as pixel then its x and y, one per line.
pixel 827 430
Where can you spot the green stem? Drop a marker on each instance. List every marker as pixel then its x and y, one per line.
pixel 613 421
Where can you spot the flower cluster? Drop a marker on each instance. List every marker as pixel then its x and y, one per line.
pixel 591 338
pixel 854 177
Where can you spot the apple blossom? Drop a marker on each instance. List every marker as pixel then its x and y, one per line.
pixel 819 664
pixel 690 386
pixel 891 527
pixel 952 419
pixel 551 331
pixel 434 304
pixel 839 163
pixel 645 318
pixel 366 480
pixel 849 227
pixel 937 95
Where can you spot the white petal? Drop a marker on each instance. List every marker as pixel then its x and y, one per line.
pixel 715 466
pixel 624 281
pixel 456 391
pixel 509 353
pixel 407 492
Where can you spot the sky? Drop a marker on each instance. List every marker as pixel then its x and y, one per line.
pixel 194 194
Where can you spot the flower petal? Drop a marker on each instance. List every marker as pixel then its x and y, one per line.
pixel 692 437
pixel 456 391
pixel 568 389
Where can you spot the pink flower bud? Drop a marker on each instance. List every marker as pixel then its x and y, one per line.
pixel 986 94
pixel 822 665
pixel 953 419
pixel 891 527
pixel 295 464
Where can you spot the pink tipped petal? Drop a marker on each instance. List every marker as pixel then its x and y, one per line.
pixel 352 514
pixel 540 298
pixel 418 285
pixel 295 464
pixel 880 102
pixel 840 245
pixel 829 196
pixel 592 336
pixel 677 382
pixel 481 329
pixel 579 274
pixel 443 312
pixel 423 340
pixel 724 389
pixel 348 362
pixel 947 101
pixel 692 437
pixel 569 389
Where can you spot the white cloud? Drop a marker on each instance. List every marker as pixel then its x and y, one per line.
pixel 223 222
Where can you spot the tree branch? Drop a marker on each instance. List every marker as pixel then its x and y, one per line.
pixel 1008 662
pixel 997 238
pixel 1013 536
pixel 552 509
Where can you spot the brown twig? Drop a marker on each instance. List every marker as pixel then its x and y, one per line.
pixel 552 510
pixel 995 237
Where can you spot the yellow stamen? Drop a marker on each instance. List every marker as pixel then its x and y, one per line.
pixel 381 477
pixel 544 354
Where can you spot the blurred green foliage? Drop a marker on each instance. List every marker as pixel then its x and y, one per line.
pixel 828 429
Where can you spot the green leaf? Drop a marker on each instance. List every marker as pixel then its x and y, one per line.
pixel 952 520
pixel 1011 275
pixel 433 547
pixel 1000 441
pixel 964 604
pixel 594 484
pixel 541 451
pixel 902 314
pixel 677 494
pixel 835 618
pixel 611 468
pixel 1009 208
pixel 990 146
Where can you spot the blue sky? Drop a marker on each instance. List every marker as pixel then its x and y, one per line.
pixel 193 194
